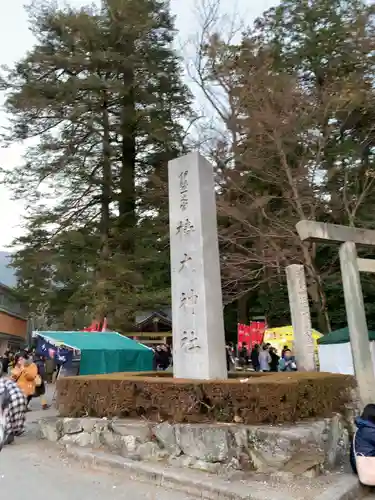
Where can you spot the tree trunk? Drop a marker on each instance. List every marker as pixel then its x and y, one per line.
pixel 242 310
pixel 320 307
pixel 106 186
pixel 105 217
pixel 127 200
pixel 315 290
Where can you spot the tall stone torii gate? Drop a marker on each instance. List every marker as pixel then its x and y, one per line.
pixel 351 266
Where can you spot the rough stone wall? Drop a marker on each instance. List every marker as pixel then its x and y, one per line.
pixel 302 449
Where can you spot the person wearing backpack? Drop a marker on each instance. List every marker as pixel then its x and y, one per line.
pixel 362 451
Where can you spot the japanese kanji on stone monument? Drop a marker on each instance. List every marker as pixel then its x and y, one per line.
pixel 197 307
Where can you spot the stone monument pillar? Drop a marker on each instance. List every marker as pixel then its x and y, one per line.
pixel 301 320
pixel 197 307
pixel 357 323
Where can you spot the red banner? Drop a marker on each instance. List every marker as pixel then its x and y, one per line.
pixel 256 332
pixel 251 334
pixel 243 334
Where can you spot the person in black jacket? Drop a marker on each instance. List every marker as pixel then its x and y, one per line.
pixel 40 391
pixel 243 355
pixel 363 442
pixel 164 357
pixel 5 362
pixel 254 356
pixel 274 365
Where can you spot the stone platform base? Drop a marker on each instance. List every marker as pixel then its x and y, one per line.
pixel 205 486
pixel 305 449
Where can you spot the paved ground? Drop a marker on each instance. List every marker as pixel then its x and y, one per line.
pixel 37 413
pixel 35 468
pixel 32 469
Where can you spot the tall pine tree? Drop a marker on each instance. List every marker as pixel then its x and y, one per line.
pixel 101 93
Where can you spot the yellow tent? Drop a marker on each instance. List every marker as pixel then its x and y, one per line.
pixel 284 335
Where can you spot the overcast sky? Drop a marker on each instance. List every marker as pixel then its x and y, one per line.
pixel 15 40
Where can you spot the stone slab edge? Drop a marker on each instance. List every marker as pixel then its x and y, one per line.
pixel 199 485
pixel 205 487
pixel 347 487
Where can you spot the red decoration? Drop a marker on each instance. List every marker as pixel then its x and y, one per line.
pixel 97 326
pixel 251 334
pixel 256 333
pixel 242 334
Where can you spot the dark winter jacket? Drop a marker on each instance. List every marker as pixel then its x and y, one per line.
pixel 40 390
pixel 255 358
pixel 274 365
pixel 41 367
pixel 5 363
pixel 364 441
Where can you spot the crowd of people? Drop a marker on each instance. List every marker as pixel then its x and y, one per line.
pixel 262 358
pixel 28 370
pixel 22 378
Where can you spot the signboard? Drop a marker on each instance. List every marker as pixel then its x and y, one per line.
pixel 60 354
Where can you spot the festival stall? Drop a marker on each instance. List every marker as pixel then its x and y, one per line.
pixel 284 335
pixel 94 352
pixel 335 353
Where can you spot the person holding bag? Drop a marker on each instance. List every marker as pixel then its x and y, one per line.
pixel 25 374
pixel 362 452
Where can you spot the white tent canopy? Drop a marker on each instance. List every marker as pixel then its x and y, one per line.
pixel 335 353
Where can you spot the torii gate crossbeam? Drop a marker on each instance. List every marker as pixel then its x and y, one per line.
pixel 351 266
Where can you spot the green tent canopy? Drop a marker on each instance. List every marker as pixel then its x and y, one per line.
pixel 104 352
pixel 340 337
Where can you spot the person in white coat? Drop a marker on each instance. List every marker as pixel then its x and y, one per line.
pixel 264 359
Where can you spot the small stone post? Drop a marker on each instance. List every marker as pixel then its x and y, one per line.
pixel 355 312
pixel 301 320
pixel 197 306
